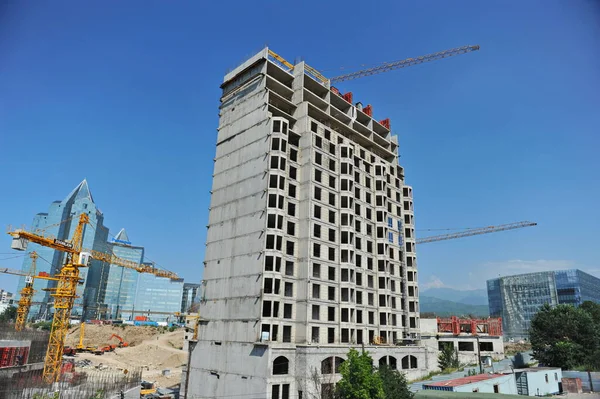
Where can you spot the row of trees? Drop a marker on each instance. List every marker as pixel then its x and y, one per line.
pixel 567 337
pixel 361 380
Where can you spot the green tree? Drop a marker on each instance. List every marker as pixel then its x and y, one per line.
pixel 448 357
pixel 564 336
pixel 394 384
pixel 9 314
pixel 593 309
pixel 359 379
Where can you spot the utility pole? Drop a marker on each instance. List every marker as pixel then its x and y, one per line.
pixel 479 355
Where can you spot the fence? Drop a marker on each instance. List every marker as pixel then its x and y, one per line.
pixel 88 384
pixel 585 379
pixel 38 339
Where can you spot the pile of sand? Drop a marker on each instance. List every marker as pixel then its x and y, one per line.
pixel 98 335
pixel 160 351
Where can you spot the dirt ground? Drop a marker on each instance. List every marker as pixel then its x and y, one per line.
pixel 150 348
pixel 98 335
pixel 513 348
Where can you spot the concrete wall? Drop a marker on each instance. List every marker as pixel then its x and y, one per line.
pixel 233 260
pixel 228 370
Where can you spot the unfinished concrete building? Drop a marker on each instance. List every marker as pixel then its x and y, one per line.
pixel 474 339
pixel 310 247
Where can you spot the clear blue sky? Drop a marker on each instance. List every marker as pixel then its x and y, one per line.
pixel 125 94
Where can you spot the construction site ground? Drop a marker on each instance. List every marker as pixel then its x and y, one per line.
pixel 153 349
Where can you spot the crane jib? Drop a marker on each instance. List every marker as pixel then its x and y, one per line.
pixel 63 243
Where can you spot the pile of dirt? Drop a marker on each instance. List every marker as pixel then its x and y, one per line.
pixel 98 335
pixel 159 352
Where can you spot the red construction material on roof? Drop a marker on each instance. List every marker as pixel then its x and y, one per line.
pixel 368 110
pixel 464 380
pixel 457 326
pixel 348 97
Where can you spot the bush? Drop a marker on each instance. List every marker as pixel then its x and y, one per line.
pixel 43 325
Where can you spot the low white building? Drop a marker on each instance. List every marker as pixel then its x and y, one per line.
pixel 538 381
pixel 483 383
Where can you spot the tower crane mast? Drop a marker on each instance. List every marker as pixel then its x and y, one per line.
pixel 475 232
pixel 26 295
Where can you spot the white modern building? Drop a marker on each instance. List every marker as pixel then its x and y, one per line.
pixel 6 300
pixel 311 243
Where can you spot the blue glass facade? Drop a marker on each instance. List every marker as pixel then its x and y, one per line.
pixel 158 297
pixel 191 293
pixel 518 298
pixel 108 291
pixel 121 283
pixel 60 221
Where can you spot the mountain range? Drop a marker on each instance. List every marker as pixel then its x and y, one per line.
pixel 451 302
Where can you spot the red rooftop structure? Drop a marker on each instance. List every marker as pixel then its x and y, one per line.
pixel 456 326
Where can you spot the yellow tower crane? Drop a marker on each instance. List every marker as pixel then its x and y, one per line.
pixel 26 295
pixel 475 231
pixel 67 279
pixel 25 301
pixel 381 68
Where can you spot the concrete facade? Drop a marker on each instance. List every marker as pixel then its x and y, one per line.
pixel 310 247
pixel 489 346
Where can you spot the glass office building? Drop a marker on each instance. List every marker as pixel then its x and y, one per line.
pixel 191 293
pixel 128 293
pixel 158 297
pixel 518 298
pixel 120 283
pixel 107 291
pixel 60 221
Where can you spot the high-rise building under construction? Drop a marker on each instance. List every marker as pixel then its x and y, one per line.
pixel 310 247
